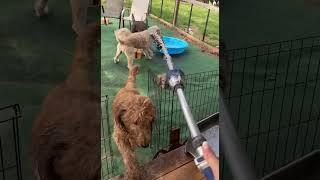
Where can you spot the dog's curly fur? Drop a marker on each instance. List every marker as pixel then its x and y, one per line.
pixel 133 116
pixel 161 81
pixel 128 42
pixel 65 142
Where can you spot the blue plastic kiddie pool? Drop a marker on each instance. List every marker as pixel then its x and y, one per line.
pixel 174 45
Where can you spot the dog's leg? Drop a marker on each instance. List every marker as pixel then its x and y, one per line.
pixel 145 54
pixel 130 63
pixel 148 53
pixel 131 81
pixel 130 54
pixel 79 14
pixel 118 53
pixel 41 7
pixel 129 158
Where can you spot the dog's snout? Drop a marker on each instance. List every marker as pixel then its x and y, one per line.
pixel 145 146
pixel 145 143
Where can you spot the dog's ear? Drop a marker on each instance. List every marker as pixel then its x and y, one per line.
pixel 118 119
pixel 148 107
pixel 144 110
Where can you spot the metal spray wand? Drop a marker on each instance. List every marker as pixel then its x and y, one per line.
pixel 194 146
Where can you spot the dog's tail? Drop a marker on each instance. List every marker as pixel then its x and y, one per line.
pixel 86 44
pixel 119 38
pixel 132 76
pixel 88 40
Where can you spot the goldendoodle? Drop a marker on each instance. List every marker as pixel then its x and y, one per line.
pixel 133 116
pixel 65 142
pixel 128 43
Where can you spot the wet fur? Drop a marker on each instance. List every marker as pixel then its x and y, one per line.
pixel 133 115
pixel 65 142
pixel 128 43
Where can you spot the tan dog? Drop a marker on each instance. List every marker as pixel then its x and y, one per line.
pixel 128 43
pixel 66 133
pixel 79 12
pixel 161 81
pixel 133 116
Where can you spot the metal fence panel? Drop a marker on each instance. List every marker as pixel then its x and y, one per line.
pixel 10 163
pixel 273 94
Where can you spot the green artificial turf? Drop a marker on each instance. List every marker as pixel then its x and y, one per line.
pixel 36 55
pixel 114 76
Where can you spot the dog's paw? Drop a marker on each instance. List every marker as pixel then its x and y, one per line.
pixel 116 61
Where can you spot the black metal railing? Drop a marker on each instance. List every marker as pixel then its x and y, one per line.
pixel 110 164
pixel 10 163
pixel 201 91
pixel 173 13
pixel 273 94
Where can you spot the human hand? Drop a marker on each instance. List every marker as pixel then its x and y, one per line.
pixel 211 158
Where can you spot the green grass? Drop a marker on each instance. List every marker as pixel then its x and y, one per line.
pixel 198 19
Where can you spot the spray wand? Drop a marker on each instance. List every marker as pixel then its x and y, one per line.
pixel 174 79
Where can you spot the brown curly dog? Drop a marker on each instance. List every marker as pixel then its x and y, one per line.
pixel 133 116
pixel 65 142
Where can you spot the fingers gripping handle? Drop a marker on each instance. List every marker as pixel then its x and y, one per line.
pixel 205 168
pixel 208 173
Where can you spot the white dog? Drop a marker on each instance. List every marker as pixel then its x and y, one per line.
pixel 79 12
pixel 128 43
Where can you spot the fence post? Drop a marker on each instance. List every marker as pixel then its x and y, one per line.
pixel 205 28
pixel 176 12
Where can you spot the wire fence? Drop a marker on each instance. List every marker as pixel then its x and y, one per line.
pixel 170 129
pixel 10 163
pixel 109 165
pixel 273 94
pixel 193 17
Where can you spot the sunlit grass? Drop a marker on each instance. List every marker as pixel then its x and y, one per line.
pixel 198 19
